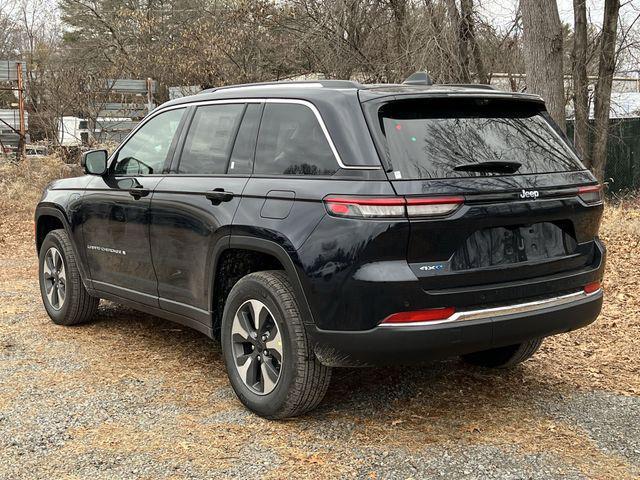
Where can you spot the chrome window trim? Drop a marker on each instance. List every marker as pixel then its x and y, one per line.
pixel 494 312
pixel 196 103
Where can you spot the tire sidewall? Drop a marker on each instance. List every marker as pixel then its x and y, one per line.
pixel 58 316
pixel 271 403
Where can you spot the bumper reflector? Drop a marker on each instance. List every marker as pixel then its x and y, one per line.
pixel 592 287
pixel 420 315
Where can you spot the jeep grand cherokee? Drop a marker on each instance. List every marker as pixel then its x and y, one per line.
pixel 321 224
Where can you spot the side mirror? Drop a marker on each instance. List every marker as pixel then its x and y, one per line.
pixel 94 162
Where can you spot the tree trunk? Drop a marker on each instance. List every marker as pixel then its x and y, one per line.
pixel 580 84
pixel 606 68
pixel 460 48
pixel 543 54
pixel 468 36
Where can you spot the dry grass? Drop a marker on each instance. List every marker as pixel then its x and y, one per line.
pixel 21 184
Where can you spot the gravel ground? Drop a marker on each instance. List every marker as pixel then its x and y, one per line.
pixel 133 396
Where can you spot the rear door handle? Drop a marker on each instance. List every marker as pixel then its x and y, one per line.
pixel 138 192
pixel 218 195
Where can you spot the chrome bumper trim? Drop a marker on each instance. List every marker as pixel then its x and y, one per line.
pixel 502 311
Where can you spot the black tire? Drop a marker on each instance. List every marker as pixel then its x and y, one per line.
pixel 78 306
pixel 302 381
pixel 504 357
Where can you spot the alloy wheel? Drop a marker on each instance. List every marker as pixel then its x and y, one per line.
pixel 54 278
pixel 257 347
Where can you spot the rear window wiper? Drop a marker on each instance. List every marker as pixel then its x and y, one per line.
pixel 497 167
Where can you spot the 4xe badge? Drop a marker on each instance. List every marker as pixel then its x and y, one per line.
pixel 432 268
pixel 529 194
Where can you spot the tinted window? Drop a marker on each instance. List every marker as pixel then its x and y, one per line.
pixel 291 142
pixel 145 152
pixel 209 140
pixel 445 138
pixel 245 144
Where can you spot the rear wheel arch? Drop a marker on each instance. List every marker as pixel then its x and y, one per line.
pixel 245 255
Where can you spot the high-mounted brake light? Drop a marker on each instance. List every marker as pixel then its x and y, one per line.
pixel 592 287
pixel 590 195
pixel 430 315
pixel 391 207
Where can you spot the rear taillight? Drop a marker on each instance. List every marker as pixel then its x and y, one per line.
pixel 592 287
pixel 434 206
pixel 372 207
pixel 390 207
pixel 590 195
pixel 431 315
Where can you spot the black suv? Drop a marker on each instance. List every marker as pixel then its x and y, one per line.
pixel 321 224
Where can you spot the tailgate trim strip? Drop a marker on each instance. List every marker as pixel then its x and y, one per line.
pixel 495 312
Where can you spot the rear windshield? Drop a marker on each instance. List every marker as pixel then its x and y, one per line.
pixel 452 138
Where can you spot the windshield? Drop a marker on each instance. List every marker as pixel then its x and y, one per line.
pixel 450 138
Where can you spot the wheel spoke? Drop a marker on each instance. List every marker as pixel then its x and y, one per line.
pixel 274 343
pixel 46 267
pixel 245 364
pixel 48 262
pixel 61 293
pixel 61 274
pixel 57 259
pixel 239 329
pixel 54 299
pixel 259 314
pixel 269 375
pixel 49 290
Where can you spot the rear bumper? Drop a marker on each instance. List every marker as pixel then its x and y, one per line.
pixel 470 331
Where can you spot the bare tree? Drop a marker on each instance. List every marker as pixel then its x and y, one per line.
pixel 580 81
pixel 467 28
pixel 543 50
pixel 602 104
pixel 460 45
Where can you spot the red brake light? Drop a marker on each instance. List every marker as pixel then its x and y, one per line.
pixel 592 287
pixel 430 315
pixel 590 195
pixel 385 207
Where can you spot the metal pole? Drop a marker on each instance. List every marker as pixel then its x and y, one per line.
pixel 149 95
pixel 22 139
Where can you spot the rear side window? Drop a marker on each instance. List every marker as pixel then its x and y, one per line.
pixel 291 142
pixel 242 156
pixel 449 138
pixel 210 138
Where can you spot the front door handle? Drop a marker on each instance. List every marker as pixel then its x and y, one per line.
pixel 218 195
pixel 138 192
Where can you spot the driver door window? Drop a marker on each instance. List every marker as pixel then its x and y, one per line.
pixel 146 151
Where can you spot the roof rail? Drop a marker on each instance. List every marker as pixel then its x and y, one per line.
pixel 291 84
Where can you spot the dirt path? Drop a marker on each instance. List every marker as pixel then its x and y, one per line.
pixel 134 396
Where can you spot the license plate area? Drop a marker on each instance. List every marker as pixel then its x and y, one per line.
pixel 506 245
